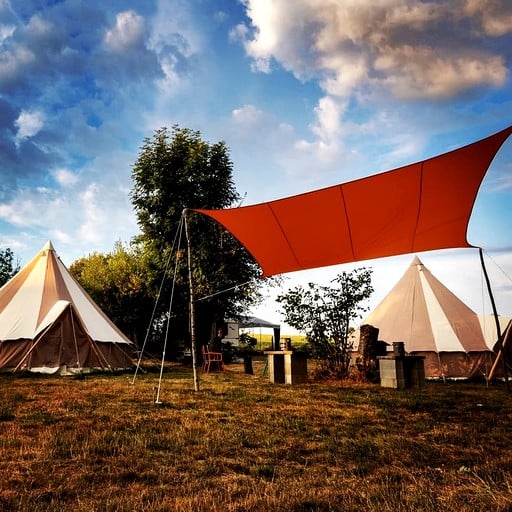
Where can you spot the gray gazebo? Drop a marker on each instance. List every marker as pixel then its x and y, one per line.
pixel 248 322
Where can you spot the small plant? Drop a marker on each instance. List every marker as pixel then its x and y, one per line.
pixel 324 314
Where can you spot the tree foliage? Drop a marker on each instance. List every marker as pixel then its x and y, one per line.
pixel 120 283
pixel 176 170
pixel 8 267
pixel 324 315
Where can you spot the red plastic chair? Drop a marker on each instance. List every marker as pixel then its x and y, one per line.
pixel 210 358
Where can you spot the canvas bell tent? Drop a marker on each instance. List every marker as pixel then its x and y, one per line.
pixel 433 322
pixel 488 324
pixel 49 323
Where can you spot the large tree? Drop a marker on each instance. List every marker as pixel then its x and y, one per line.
pixel 177 170
pixel 8 267
pixel 324 314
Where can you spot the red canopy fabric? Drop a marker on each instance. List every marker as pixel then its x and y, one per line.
pixel 419 207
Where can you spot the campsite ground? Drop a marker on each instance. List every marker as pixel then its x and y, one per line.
pixel 242 444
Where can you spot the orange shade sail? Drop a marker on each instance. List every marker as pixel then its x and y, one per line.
pixel 419 207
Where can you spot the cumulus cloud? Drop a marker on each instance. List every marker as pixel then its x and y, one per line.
pixel 92 75
pixel 126 33
pixel 263 143
pixel 494 17
pixel 328 119
pixel 326 149
pixel 429 75
pixel 283 33
pixel 260 143
pixel 28 124
pixel 412 49
pixel 386 54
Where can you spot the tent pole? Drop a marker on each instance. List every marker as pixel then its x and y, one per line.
pixel 504 341
pixel 74 339
pixel 496 318
pixel 192 304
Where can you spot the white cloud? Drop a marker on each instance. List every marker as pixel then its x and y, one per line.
pixel 249 124
pixel 28 124
pixel 64 177
pixel 326 150
pixel 336 151
pixel 61 236
pixel 249 115
pixel 347 72
pixel 176 42
pixel 6 31
pixel 419 72
pixel 38 27
pixel 265 146
pixel 24 209
pixel 494 16
pixel 127 32
pixel 93 215
pixel 282 33
pixel 366 55
pixel 172 19
pixel 328 114
pixel 13 60
pixel 412 49
pixel 82 220
pixel 240 33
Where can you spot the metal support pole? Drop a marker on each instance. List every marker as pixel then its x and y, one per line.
pixel 192 305
pixel 496 318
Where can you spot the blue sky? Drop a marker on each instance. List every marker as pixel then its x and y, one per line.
pixel 305 94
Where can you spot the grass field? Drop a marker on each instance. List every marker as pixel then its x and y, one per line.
pixel 264 340
pixel 242 444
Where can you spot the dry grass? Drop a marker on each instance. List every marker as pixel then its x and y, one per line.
pixel 243 444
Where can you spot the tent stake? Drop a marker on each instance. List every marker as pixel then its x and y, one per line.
pixel 496 318
pixel 192 304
